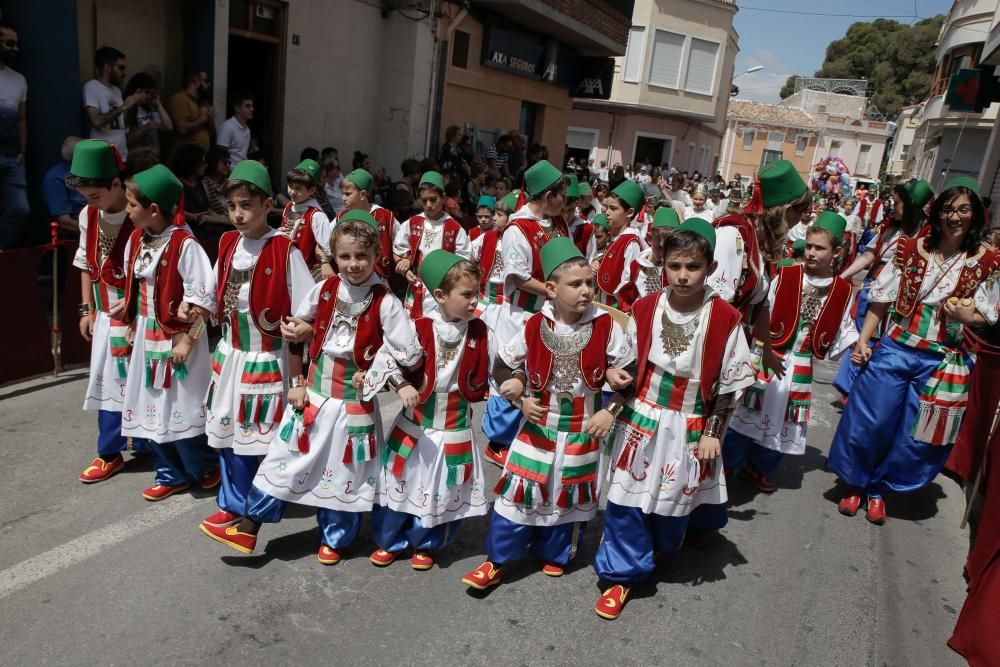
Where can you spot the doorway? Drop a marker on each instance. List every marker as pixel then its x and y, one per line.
pixel 657 149
pixel 256 66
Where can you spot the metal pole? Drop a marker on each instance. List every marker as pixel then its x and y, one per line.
pixel 55 333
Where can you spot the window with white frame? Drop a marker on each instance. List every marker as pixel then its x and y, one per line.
pixel 748 137
pixel 665 66
pixel 801 144
pixel 701 66
pixel 775 140
pixel 904 152
pixel 703 159
pixel 835 145
pixel 635 54
pixel 690 161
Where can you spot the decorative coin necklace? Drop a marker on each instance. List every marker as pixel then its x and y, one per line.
pixel 565 349
pixel 676 338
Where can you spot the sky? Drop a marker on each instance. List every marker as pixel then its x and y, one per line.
pixel 795 42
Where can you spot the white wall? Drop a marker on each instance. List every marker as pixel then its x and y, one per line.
pixel 960 157
pixel 850 149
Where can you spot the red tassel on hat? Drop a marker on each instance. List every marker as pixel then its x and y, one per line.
pixel 756 204
pixel 179 213
pixel 522 198
pixel 642 214
pixel 118 158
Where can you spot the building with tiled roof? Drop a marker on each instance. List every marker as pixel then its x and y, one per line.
pixel 758 133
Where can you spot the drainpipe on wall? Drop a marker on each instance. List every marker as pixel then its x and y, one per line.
pixel 434 82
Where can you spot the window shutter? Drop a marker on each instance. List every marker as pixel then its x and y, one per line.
pixel 701 66
pixel 635 53
pixel 668 47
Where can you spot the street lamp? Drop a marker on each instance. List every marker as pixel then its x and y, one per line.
pixel 733 88
pixel 755 68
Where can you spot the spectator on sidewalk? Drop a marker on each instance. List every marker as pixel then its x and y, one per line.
pixel 234 133
pixel 63 202
pixel 13 142
pixel 218 165
pixel 192 114
pixel 102 99
pixel 145 120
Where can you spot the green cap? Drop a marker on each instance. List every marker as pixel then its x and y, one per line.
pixel 540 177
pixel 960 182
pixel 510 200
pixel 788 261
pixel 584 189
pixel 701 227
pixel 160 186
pixel 921 192
pixel 631 193
pixel 489 202
pixel 359 216
pixel 780 183
pixel 311 167
pixel 601 220
pixel 799 248
pixel 253 172
pixel 666 217
pixel 435 265
pixel 573 189
pixel 94 159
pixel 556 252
pixel 832 222
pixel 361 179
pixel 433 179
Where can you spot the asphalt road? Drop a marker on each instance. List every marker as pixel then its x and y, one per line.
pixel 96 575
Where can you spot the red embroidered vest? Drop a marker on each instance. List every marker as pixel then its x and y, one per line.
pixel 368 337
pixel 876 206
pixel 788 308
pixel 593 358
pixel 487 257
pixel 751 252
pixel 612 267
pixel 475 233
pixel 536 239
pixel 270 302
pixel 112 270
pixel 304 239
pixel 911 258
pixel 449 238
pixel 473 367
pixel 581 236
pixel 168 283
pixel 724 319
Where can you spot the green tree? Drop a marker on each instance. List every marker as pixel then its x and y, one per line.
pixel 896 59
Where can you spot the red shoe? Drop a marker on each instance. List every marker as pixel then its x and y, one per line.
pixel 231 537
pixel 99 469
pixel 483 577
pixel 553 570
pixel 850 503
pixel 161 491
pixel 421 561
pixel 495 457
pixel 610 604
pixel 381 557
pixel 221 519
pixel 212 478
pixel 757 479
pixel 876 511
pixel 328 556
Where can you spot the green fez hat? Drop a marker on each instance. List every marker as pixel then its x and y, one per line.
pixel 961 182
pixel 160 186
pixel 780 183
pixel 702 228
pixel 540 177
pixel 433 179
pixel 95 160
pixel 557 251
pixel 584 189
pixel 788 261
pixel 799 248
pixel 435 266
pixel 601 220
pixel 361 178
pixel 253 172
pixel 359 216
pixel 487 201
pixel 631 193
pixel 573 189
pixel 510 200
pixel 666 217
pixel 833 223
pixel 921 192
pixel 311 167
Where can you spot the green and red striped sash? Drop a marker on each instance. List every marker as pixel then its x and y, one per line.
pixel 158 350
pixel 799 394
pixel 105 295
pixel 671 392
pixel 240 332
pixel 444 412
pixel 456 443
pixel 526 301
pixel 119 346
pixel 330 377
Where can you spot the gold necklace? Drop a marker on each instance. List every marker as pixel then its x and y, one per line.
pixel 676 338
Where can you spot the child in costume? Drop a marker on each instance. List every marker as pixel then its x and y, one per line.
pixel 356 190
pixel 550 483
pixel 432 230
pixel 646 272
pixel 699 205
pixel 325 455
pixel 432 474
pixel 487 253
pixel 105 228
pixel 485 210
pixel 581 231
pixel 260 277
pixel 169 297
pixel 810 319
pixel 621 208
pixel 907 404
pixel 588 204
pixel 602 239
pixel 528 229
pixel 907 220
pixel 692 360
pixel 304 221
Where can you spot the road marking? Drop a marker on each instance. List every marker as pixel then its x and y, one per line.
pixel 25 573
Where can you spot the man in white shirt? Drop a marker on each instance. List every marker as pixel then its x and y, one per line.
pixel 102 99
pixel 234 133
pixel 13 142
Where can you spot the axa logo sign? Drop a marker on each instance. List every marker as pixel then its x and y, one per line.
pixel 591 87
